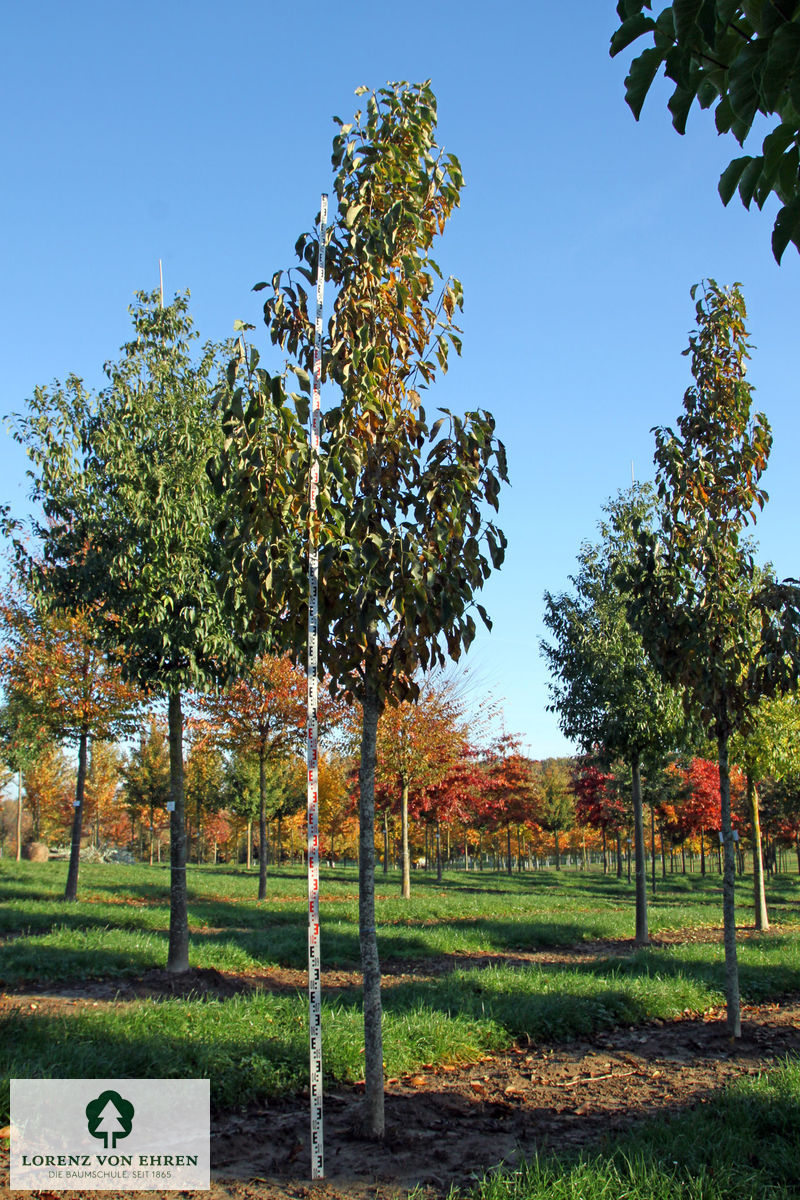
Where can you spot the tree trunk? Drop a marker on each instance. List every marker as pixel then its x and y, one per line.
pixel 466 850
pixel 405 883
pixel 619 855
pixel 605 852
pixel 178 954
pixel 438 851
pixel 262 825
pixel 385 841
pixel 71 891
pixel 558 857
pixel 728 884
pixel 508 847
pixel 642 937
pixel 702 854
pixel 370 964
pixel 653 846
pixel 19 816
pixel 249 843
pixel 759 896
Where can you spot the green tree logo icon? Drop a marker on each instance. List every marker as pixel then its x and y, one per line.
pixel 109 1116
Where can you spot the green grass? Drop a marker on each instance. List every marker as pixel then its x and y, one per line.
pixel 742 1145
pixel 250 1047
pixel 475 913
pixel 254 1046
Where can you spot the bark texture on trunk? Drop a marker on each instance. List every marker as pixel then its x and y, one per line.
pixel 759 896
pixel 370 965
pixel 71 890
pixel 642 937
pixel 734 1020
pixel 178 954
pixel 438 851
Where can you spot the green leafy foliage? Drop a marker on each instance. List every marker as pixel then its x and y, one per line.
pixel 742 59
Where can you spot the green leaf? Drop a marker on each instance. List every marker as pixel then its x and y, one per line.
pixel 787 228
pixel 642 73
pixel 729 179
pixel 630 29
pixel 685 13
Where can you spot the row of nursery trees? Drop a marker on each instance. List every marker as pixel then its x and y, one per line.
pixel 174 520
pixel 441 800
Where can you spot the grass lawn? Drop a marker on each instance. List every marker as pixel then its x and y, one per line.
pixel 253 1046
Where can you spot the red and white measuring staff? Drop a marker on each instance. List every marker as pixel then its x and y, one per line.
pixel 314 986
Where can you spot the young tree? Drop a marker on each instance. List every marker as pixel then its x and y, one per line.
pixel 769 747
pixel 145 776
pixel 597 803
pixel 129 508
pixel 710 622
pixel 742 60
pixel 417 742
pixel 263 713
pixel 555 802
pixel 404 543
pixel 606 691
pixel 71 685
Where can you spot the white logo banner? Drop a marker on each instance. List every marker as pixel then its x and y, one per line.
pixel 121 1135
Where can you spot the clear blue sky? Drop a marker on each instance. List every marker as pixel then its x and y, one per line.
pixel 201 136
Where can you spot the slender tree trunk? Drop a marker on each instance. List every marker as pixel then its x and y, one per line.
pixel 249 843
pixel 71 890
pixel 702 853
pixel 466 850
pixel 385 841
pixel 19 816
pixel 759 895
pixel 438 851
pixel 262 825
pixel 370 964
pixel 178 954
pixel 642 937
pixel 619 855
pixel 605 852
pixel 508 848
pixel 558 857
pixel 663 855
pixel 728 885
pixel 653 846
pixel 152 822
pixel 405 883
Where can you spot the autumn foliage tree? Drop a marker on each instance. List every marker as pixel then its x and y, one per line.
pixel 72 684
pixel 263 714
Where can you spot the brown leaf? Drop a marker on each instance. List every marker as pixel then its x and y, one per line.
pixel 5 1132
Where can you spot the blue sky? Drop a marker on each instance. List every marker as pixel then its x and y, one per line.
pixel 202 137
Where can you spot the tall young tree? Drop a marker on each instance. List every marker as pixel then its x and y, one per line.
pixel 401 513
pixel 127 532
pixel 712 624
pixel 607 693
